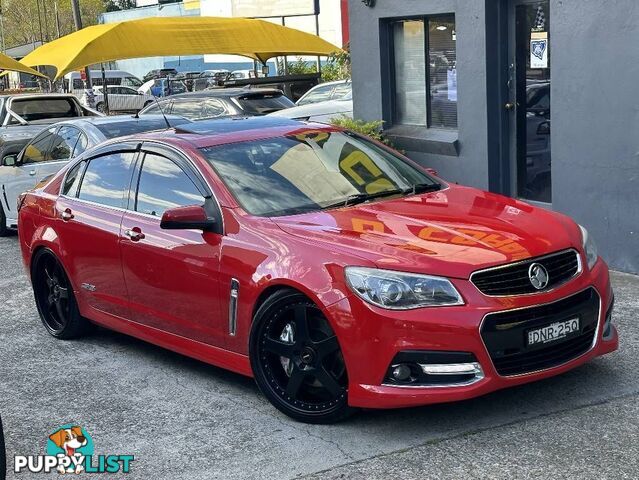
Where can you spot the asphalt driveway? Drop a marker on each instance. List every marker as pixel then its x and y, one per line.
pixel 183 419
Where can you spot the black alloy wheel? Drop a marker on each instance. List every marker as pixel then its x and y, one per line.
pixel 54 297
pixel 297 361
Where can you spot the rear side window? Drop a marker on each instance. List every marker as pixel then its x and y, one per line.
pixel 319 94
pixel 64 143
pixel 263 103
pixel 191 109
pixel 163 185
pixel 106 179
pixel 81 146
pixel 72 180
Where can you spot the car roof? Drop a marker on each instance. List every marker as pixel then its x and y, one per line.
pixel 224 92
pixel 33 95
pixel 220 131
pixel 116 119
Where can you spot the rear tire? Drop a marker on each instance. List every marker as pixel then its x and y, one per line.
pixel 4 231
pixel 55 299
pixel 297 361
pixel 100 108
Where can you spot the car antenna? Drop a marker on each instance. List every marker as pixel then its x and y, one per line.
pixel 168 125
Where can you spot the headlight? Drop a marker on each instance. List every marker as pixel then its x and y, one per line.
pixel 589 247
pixel 401 291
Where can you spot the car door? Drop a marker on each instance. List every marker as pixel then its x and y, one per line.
pixel 116 101
pixel 171 275
pixel 91 205
pixel 24 175
pixel 132 100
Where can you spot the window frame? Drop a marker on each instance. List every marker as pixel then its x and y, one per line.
pixel 139 149
pixel 392 87
pixel 126 194
pixel 51 132
pixel 72 147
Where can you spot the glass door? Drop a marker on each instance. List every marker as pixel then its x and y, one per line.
pixel 529 103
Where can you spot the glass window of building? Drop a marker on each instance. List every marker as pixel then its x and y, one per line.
pixel 425 72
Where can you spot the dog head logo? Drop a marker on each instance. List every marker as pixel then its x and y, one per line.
pixel 538 48
pixel 73 442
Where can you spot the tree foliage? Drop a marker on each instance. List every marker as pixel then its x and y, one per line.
pixel 28 21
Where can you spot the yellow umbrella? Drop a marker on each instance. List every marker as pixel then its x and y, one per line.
pixel 173 36
pixel 9 64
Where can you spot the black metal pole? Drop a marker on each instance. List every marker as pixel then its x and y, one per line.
pixel 78 26
pixel 105 94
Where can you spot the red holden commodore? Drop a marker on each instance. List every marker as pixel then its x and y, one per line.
pixel 332 269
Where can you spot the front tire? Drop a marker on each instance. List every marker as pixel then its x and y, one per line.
pixel 54 297
pixel 297 361
pixel 101 108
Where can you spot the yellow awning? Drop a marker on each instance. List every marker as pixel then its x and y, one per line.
pixel 174 36
pixel 8 63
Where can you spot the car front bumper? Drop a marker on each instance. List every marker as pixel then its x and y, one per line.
pixel 371 338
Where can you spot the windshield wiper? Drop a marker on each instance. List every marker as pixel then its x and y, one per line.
pixel 423 188
pixel 363 197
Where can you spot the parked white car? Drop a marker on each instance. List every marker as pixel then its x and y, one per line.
pixel 322 112
pixel 337 90
pixel 74 84
pixel 52 148
pixel 121 99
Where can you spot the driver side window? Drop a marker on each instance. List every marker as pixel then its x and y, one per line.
pixel 163 185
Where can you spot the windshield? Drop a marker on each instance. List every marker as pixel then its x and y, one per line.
pixel 310 171
pixel 263 103
pixel 131 127
pixel 131 82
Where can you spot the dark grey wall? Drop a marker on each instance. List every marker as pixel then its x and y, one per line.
pixel 595 122
pixel 470 166
pixel 595 106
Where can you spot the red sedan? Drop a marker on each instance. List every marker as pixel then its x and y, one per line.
pixel 335 271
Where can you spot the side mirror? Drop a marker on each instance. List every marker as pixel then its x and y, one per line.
pixel 184 218
pixel 10 160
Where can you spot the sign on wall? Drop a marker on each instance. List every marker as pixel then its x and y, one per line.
pixel 539 50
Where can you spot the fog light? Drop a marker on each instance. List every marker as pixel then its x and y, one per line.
pixel 401 372
pixel 607 326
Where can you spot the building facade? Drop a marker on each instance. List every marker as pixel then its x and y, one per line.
pixel 476 89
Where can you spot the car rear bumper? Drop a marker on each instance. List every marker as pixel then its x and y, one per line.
pixel 371 338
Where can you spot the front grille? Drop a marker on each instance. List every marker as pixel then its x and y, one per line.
pixel 514 279
pixel 505 334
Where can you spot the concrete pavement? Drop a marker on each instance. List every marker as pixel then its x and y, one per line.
pixel 186 420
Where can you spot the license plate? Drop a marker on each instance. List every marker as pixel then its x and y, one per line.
pixel 553 332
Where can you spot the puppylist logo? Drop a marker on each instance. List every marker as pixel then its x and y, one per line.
pixel 70 450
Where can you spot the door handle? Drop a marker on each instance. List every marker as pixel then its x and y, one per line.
pixel 134 234
pixel 32 172
pixel 66 215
